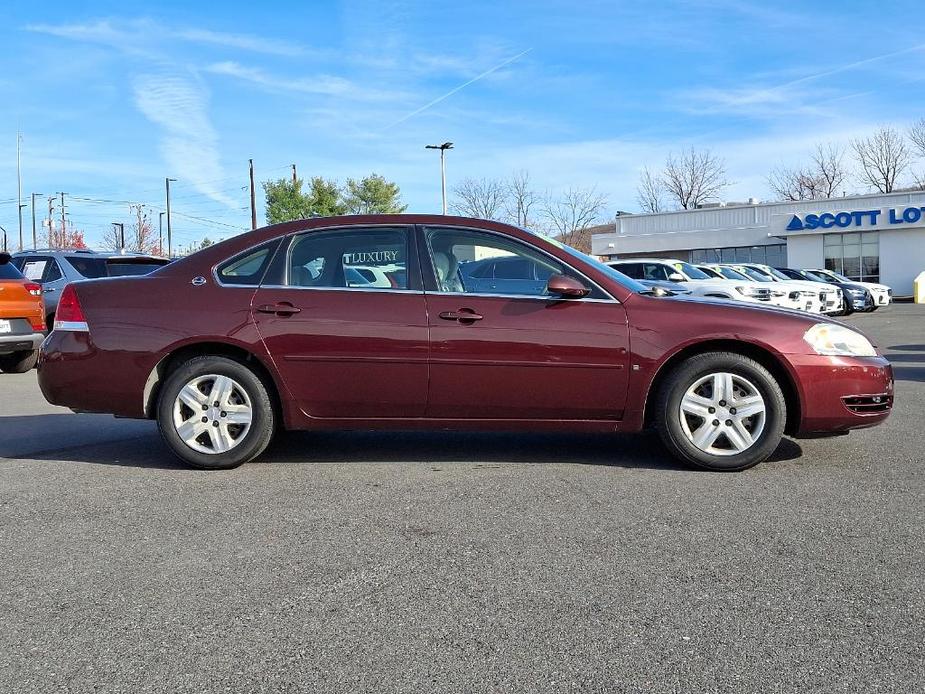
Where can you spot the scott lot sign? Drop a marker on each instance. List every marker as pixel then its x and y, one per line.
pixel 858 219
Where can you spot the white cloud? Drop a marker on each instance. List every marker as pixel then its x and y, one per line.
pixel 327 85
pixel 189 143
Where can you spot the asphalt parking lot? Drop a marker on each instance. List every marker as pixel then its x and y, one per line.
pixel 451 563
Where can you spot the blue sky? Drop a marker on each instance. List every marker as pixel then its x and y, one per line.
pixel 111 97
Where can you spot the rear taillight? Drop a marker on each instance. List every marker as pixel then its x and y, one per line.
pixel 34 289
pixel 69 315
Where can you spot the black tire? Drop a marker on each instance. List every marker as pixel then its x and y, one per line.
pixel 684 376
pixel 18 362
pixel 251 442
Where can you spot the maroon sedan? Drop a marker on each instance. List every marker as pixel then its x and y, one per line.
pixel 405 321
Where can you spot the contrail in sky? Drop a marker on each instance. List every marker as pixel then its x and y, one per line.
pixel 456 89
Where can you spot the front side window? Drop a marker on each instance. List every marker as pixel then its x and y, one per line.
pixel 460 256
pixel 368 258
pixel 655 271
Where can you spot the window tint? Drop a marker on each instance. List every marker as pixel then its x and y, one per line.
pixel 633 270
pixel 90 268
pixel 247 269
pixel 52 271
pixel 654 271
pixel 518 270
pixel 8 271
pixel 359 258
pixel 514 269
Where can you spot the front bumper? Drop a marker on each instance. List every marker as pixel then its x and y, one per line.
pixel 842 393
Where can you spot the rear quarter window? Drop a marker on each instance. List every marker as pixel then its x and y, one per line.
pixel 247 268
pixel 8 271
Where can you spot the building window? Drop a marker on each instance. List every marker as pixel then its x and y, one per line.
pixel 856 256
pixel 774 255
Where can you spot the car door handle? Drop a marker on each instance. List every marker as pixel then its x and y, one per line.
pixel 281 309
pixel 48 290
pixel 463 315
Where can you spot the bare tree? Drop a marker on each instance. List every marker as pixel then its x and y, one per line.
pixel 520 199
pixel 829 169
pixel 693 178
pixel 483 198
pixel 821 179
pixel 917 137
pixel 883 157
pixel 650 192
pixel 142 238
pixel 793 184
pixel 112 238
pixel 573 212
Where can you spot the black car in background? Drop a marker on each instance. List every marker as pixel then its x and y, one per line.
pixel 857 297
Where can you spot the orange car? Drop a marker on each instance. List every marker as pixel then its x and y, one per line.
pixel 22 320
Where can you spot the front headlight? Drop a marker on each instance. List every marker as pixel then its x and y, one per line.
pixel 838 341
pixel 748 291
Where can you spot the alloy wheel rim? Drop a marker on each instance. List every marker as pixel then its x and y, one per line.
pixel 212 414
pixel 722 414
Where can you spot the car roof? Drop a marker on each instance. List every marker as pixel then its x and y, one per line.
pixel 645 260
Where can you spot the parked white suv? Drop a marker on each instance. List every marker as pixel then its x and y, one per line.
pixel 804 296
pixel 881 293
pixel 692 278
pixel 779 295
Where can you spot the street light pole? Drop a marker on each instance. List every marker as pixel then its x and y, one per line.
pixel 121 235
pixel 160 233
pixel 35 241
pixel 443 148
pixel 169 228
pixel 4 239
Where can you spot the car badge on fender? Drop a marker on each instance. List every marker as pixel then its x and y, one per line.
pixel 198 281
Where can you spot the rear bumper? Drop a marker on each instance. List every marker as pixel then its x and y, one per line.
pixel 20 343
pixel 842 393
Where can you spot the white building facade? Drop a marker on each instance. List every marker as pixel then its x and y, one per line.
pixel 872 238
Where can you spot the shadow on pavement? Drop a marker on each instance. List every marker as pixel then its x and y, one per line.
pixel 139 445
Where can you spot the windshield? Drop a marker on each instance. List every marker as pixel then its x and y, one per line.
pixel 691 271
pixel 817 276
pixel 614 274
pixel 710 271
pixel 754 274
pixel 731 274
pixel 778 274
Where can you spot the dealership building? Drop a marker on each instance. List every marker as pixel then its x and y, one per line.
pixel 872 238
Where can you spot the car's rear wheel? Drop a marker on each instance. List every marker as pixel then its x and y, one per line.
pixel 215 413
pixel 18 362
pixel 721 411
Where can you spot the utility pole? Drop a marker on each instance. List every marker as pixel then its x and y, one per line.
pixel 121 234
pixel 35 242
pixel 19 181
pixel 51 221
pixel 253 196
pixel 169 230
pixel 160 233
pixel 4 239
pixel 63 222
pixel 294 177
pixel 443 148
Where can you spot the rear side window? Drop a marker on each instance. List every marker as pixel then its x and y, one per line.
pixel 248 268
pixel 357 258
pixel 123 269
pixel 91 268
pixel 8 271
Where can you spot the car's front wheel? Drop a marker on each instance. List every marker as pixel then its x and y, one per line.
pixel 18 362
pixel 215 413
pixel 721 411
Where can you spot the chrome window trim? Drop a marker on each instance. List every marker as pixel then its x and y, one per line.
pixel 375 290
pixel 544 297
pixel 225 261
pixel 425 227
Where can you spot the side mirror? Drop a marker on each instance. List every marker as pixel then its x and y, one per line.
pixel 676 277
pixel 566 287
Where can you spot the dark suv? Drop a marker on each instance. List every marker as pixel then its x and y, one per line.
pixel 55 268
